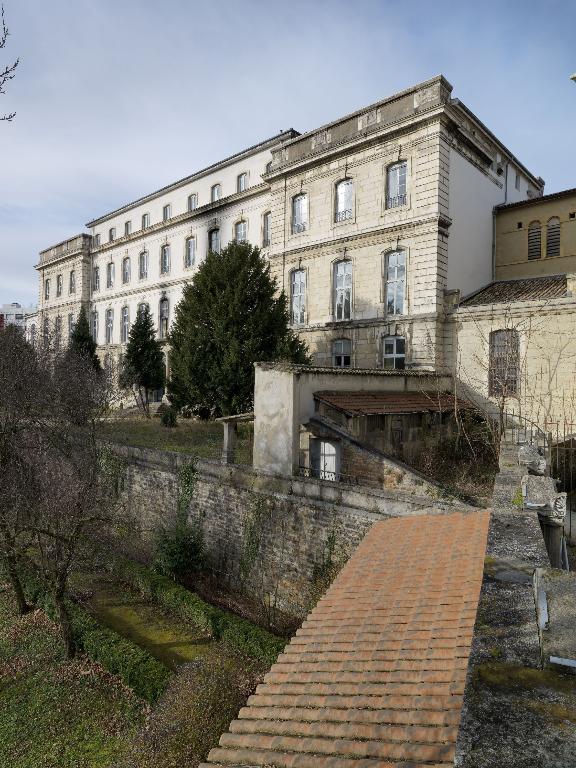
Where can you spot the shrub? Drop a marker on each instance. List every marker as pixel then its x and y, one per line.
pixel 168 417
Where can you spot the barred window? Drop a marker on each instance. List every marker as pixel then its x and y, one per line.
pixel 298 295
pixel 534 240
pixel 553 237
pixel 504 363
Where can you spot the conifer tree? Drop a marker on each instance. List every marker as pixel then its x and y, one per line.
pixel 230 317
pixel 81 341
pixel 143 364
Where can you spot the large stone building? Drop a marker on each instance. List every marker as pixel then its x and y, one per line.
pixel 367 221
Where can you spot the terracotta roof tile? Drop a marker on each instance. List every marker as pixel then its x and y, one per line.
pixel 365 403
pixel 526 289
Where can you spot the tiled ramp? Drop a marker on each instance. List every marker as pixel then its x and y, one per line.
pixel 376 674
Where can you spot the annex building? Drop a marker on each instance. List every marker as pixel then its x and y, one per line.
pixel 367 222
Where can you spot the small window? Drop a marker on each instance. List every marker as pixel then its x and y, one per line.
pixel 164 318
pixel 110 275
pixel 240 231
pixel 109 325
pixel 504 363
pixel 96 241
pixel 299 213
pixel 342 353
pixel 394 352
pixel 192 201
pixel 72 282
pixel 242 182
pixel 553 237
pixel 59 285
pixel 124 325
pixel 143 265
pixel 190 252
pixel 519 225
pixel 343 290
pixel 166 212
pixel 298 296
pixel 324 460
pixel 57 332
pixel 112 234
pixel 534 240
pixel 214 240
pixel 517 182
pixel 96 279
pixel 94 326
pixel 126 270
pixel 396 185
pixel 395 282
pixel 71 325
pixel 344 191
pixel 127 228
pixel 165 259
pixel 572 215
pixel 266 232
pixel 215 193
pixel 145 220
pixel 46 289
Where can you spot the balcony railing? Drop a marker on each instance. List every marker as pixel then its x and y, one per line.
pixel 300 226
pixel 396 202
pixel 344 215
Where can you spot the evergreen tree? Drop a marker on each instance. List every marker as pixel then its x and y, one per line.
pixel 143 364
pixel 229 318
pixel 81 341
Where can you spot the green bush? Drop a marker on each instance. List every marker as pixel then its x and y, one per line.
pixel 168 417
pixel 238 633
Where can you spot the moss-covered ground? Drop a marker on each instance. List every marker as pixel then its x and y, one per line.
pixel 201 438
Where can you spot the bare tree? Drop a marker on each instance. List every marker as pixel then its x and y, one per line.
pixel 9 70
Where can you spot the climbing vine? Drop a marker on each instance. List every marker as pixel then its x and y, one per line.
pixel 258 510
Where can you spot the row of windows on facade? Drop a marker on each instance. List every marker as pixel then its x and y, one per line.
pixel 60 285
pixel 163 322
pixel 535 238
pixel 344 196
pixel 192 204
pixel 394 289
pixel 393 352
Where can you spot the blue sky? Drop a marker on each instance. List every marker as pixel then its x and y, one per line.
pixel 115 99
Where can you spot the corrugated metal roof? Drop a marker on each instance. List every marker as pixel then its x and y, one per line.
pixel 525 289
pixel 381 403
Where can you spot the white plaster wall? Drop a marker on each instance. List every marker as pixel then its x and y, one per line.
pixel 276 432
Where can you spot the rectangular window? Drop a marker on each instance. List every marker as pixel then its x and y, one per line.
pixel 126 270
pixel 165 260
pixel 110 275
pixel 396 185
pixel 47 290
pixel 299 213
pixel 344 200
pixel 214 240
pixel 267 218
pixel 109 325
pixel 96 279
pixel 298 296
pixel 145 220
pixel 240 231
pixel 143 265
pixel 125 325
pixel 166 212
pixel 343 290
pixel 242 182
pixel 59 282
pixel 324 460
pixel 94 326
pixel 192 201
pixel 215 193
pixel 190 252
pixel 342 353
pixel 395 283
pixel 534 240
pixel 96 241
pixel 112 234
pixel 504 363
pixel 164 318
pixel 127 228
pixel 72 282
pixel 394 352
pixel 71 325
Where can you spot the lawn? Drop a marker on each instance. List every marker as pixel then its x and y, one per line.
pixel 200 438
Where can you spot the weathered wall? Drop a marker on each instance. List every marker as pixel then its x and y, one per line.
pixel 266 535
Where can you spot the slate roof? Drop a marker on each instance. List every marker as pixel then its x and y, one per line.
pixel 525 289
pixel 375 676
pixel 365 403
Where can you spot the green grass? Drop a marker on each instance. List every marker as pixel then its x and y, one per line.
pixel 200 438
pixel 56 713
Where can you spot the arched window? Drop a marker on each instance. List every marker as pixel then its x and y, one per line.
pixel 57 332
pixel 143 265
pixel 110 275
pixel 126 270
pixel 71 325
pixel 343 290
pixel 46 289
pixel 59 285
pixel 504 363
pixel 145 220
pixel 72 282
pixel 163 314
pixel 214 240
pixel 240 231
pixel 553 237
pixel 298 296
pixel 242 182
pixel 165 259
pixel 344 190
pixel 395 282
pixel 300 213
pixel 96 279
pixel 94 326
pixel 266 232
pixel 190 252
pixel 396 185
pixel 534 240
pixel 109 325
pixel 192 201
pixel 341 353
pixel 215 193
pixel 124 325
pixel 112 234
pixel 143 307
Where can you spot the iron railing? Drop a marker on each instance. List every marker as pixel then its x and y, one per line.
pixel 396 202
pixel 299 226
pixel 344 215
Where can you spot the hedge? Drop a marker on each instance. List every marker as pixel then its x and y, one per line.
pixel 146 676
pixel 238 633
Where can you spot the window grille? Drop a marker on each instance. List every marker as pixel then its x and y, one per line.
pixel 396 185
pixel 534 240
pixel 504 363
pixel 344 191
pixel 553 237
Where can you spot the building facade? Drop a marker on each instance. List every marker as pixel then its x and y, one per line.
pixel 367 222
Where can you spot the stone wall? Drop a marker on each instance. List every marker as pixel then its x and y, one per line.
pixel 272 537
